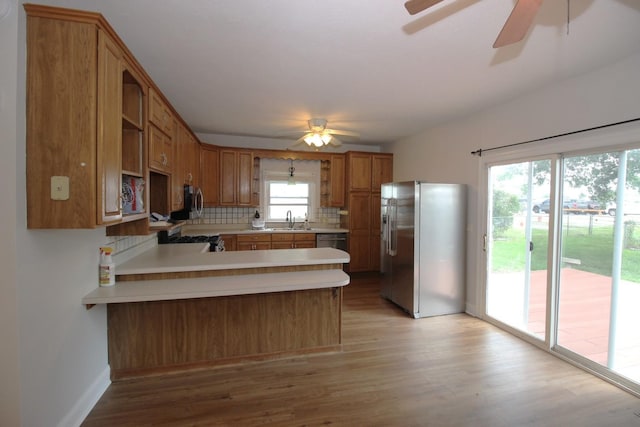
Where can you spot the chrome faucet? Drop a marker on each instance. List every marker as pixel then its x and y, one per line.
pixel 291 221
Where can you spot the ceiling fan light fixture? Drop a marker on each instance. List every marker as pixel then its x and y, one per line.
pixel 314 139
pixel 318 135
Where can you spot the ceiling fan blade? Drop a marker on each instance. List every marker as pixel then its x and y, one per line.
pixel 298 141
pixel 335 141
pixel 290 133
pixel 343 133
pixel 518 23
pixel 417 6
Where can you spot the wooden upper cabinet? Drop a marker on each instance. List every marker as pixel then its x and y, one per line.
pixel 160 150
pixel 160 114
pixel 228 172
pixel 185 168
pixel 367 171
pixel 192 164
pixel 73 166
pixel 209 168
pixel 134 93
pixel 245 179
pixel 359 167
pixel 180 158
pixel 236 178
pixel 109 152
pixel 95 123
pixel 337 181
pixel 162 134
pixel 382 170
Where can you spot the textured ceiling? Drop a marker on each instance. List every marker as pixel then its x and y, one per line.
pixel 261 67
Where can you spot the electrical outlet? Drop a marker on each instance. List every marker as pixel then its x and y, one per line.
pixel 59 188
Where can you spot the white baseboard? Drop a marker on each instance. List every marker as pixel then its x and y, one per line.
pixel 87 401
pixel 471 310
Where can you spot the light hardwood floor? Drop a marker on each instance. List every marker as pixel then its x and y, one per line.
pixel 393 371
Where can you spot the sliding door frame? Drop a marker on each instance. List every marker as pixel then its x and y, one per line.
pixel 618 138
pixel 552 247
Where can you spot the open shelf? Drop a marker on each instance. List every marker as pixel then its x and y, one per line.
pixel 134 171
pixel 132 152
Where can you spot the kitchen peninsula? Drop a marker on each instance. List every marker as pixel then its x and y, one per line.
pixel 179 307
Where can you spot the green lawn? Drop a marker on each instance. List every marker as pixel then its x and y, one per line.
pixel 594 251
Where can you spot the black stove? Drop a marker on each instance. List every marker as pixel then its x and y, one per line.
pixel 216 244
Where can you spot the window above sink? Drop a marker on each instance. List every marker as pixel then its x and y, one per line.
pixel 282 193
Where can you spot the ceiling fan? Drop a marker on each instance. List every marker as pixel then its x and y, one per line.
pixel 514 29
pixel 318 135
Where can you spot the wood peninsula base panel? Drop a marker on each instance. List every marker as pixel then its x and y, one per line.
pixel 161 336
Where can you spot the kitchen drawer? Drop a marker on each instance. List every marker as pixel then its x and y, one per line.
pixel 305 237
pixel 290 244
pixel 308 244
pixel 282 244
pixel 288 237
pixel 282 237
pixel 251 238
pixel 253 246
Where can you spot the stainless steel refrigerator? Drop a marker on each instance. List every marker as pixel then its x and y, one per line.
pixel 423 247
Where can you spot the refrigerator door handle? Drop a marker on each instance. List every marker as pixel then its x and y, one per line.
pixel 384 232
pixel 392 242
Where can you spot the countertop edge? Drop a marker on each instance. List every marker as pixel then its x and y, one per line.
pixel 206 287
pixel 161 259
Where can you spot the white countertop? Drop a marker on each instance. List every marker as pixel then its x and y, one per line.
pixel 213 230
pixel 205 287
pixel 182 257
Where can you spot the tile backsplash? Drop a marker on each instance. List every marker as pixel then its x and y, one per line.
pixel 244 216
pixel 126 247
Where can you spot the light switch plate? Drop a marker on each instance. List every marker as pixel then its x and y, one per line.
pixel 59 188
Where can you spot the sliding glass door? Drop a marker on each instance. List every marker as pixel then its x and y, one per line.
pixel 599 287
pixel 580 293
pixel 517 242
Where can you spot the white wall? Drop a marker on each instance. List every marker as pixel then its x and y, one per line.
pixel 53 361
pixel 442 154
pixel 9 353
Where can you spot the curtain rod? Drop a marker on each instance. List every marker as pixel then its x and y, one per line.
pixel 479 151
